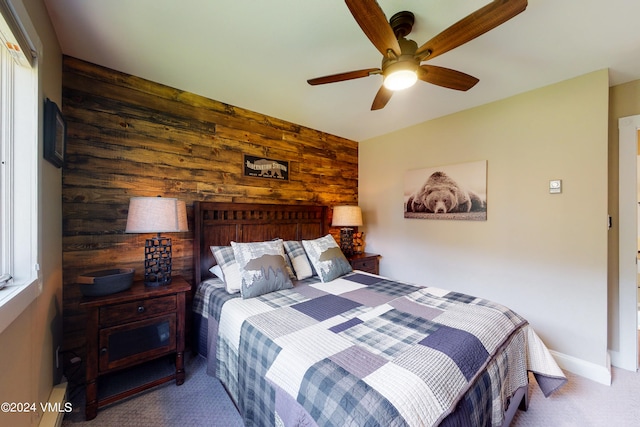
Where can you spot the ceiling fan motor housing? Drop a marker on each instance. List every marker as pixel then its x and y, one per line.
pixel 405 62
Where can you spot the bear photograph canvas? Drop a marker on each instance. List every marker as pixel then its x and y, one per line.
pixel 456 192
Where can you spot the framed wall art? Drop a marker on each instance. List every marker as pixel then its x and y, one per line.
pixel 456 192
pixel 55 134
pixel 266 168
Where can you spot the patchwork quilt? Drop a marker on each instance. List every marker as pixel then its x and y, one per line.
pixel 366 350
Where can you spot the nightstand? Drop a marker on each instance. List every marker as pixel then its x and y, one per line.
pixel 365 262
pixel 130 328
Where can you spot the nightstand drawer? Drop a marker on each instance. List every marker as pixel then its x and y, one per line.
pixel 365 262
pixel 136 310
pixel 368 265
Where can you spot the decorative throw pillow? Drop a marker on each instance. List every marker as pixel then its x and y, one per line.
pixel 327 258
pixel 298 258
pixel 226 260
pixel 262 267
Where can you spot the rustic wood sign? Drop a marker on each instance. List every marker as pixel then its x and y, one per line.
pixel 266 168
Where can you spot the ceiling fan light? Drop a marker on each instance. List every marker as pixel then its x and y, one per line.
pixel 401 77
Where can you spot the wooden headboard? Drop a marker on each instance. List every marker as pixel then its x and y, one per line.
pixel 217 224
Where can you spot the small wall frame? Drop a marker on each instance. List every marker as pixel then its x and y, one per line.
pixel 55 134
pixel 262 167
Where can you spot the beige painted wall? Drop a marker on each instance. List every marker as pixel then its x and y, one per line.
pixel 544 255
pixel 28 344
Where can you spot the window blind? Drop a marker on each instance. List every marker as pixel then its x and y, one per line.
pixel 13 36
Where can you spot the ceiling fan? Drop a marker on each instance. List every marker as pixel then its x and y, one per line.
pixel 402 58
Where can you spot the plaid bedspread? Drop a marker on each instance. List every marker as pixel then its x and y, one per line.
pixel 365 350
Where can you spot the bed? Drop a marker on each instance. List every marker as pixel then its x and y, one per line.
pixel 339 347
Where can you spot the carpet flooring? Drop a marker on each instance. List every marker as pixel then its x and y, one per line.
pixel 582 402
pixel 202 401
pixel 585 403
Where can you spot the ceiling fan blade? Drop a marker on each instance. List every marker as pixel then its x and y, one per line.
pixel 479 22
pixel 373 22
pixel 382 97
pixel 446 77
pixel 350 75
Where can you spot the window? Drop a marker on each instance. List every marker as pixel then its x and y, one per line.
pixel 20 111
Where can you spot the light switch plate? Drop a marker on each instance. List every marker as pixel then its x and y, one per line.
pixel 555 186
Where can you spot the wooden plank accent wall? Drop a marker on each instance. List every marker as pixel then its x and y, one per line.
pixel 127 136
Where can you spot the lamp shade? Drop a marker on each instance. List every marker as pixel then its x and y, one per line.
pixel 347 216
pixel 156 215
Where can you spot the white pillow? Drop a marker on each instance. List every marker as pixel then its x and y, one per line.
pixel 217 271
pixel 298 258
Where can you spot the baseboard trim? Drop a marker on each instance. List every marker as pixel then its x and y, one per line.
pixel 598 373
pixel 623 361
pixel 56 406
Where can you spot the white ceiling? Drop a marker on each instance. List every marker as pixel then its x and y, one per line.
pixel 258 55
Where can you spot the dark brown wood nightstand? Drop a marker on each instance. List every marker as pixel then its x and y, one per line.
pixel 130 328
pixel 365 262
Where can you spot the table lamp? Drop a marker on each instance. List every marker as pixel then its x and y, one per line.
pixel 157 215
pixel 346 217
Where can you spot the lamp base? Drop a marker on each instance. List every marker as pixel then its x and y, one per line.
pixel 157 261
pixel 346 241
